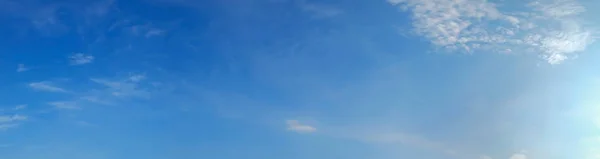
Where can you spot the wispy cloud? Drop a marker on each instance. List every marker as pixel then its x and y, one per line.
pixel 20 107
pixel 407 139
pixel 11 121
pixel 80 59
pixel 471 25
pixel 296 126
pixel 22 68
pixel 154 32
pixel 128 88
pixel 320 10
pixel 65 105
pixel 12 118
pixel 518 156
pixel 146 30
pixel 137 78
pixel 46 86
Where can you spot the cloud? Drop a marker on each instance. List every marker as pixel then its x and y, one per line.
pixel 13 118
pixel 19 107
pixel 146 30
pixel 477 25
pixel 22 68
pixel 296 126
pixel 46 86
pixel 65 105
pixel 80 59
pixel 11 121
pixel 557 9
pixel 153 32
pixel 408 139
pixel 137 78
pixel 485 157
pixel 518 156
pixel 320 10
pixel 123 88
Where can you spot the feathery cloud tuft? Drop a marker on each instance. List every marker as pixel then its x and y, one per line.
pixel 129 88
pixel 80 59
pixel 46 86
pixel 296 126
pixel 20 107
pixel 137 78
pixel 154 32
pixel 518 156
pixel 13 118
pixel 11 121
pixel 548 27
pixel 320 10
pixel 65 105
pixel 22 68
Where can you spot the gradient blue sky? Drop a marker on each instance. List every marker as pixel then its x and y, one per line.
pixel 299 79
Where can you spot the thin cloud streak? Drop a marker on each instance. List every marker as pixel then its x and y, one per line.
pixel 20 107
pixel 80 59
pixel 296 126
pixel 65 105
pixel 22 68
pixel 46 86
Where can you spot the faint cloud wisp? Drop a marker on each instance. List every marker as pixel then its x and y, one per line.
pixel 296 126
pixel 65 105
pixel 46 86
pixel 22 68
pixel 80 59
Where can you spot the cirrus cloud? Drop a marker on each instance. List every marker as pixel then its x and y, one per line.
pixel 80 59
pixel 549 28
pixel 296 126
pixel 46 86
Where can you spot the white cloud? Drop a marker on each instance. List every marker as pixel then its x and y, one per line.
pixel 320 10
pixel 518 156
pixel 137 78
pixel 470 25
pixel 485 157
pixel 22 68
pixel 19 107
pixel 11 121
pixel 557 8
pixel 296 126
pixel 46 86
pixel 65 105
pixel 95 99
pixel 154 32
pixel 123 88
pixel 80 59
pixel 13 118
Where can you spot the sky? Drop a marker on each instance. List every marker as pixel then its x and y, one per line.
pixel 299 79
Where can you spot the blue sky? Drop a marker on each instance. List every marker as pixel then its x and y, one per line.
pixel 296 79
